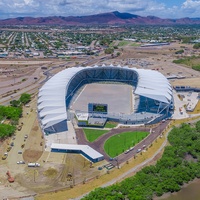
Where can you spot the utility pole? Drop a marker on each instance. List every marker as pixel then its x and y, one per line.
pixel 34 175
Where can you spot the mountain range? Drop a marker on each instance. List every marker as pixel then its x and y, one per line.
pixel 110 18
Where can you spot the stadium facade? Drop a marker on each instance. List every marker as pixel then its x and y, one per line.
pixel 155 99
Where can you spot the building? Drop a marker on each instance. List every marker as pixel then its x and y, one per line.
pixel 85 150
pixel 153 89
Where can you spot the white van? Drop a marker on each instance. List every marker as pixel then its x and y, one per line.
pixel 33 165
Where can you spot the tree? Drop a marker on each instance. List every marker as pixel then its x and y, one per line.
pixel 179 51
pixel 6 130
pixel 198 126
pixel 109 51
pixel 15 103
pixel 196 46
pixel 25 98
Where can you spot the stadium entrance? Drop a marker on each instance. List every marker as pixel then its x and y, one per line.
pixel 96 116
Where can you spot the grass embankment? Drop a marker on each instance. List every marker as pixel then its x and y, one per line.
pixel 123 43
pixel 135 44
pixel 119 143
pixel 110 125
pixel 193 62
pixel 93 134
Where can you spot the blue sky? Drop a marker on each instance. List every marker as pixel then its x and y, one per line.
pixel 39 8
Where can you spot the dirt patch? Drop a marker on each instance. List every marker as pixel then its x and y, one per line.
pixel 40 179
pixel 51 172
pixel 51 176
pixel 192 82
pixel 34 144
pixel 35 128
pixel 31 155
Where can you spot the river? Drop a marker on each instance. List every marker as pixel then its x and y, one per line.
pixel 189 192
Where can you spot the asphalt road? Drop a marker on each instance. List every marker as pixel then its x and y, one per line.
pixel 99 144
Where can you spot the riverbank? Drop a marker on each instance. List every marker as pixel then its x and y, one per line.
pixel 189 191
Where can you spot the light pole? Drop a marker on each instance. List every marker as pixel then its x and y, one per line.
pixel 34 174
pixel 117 162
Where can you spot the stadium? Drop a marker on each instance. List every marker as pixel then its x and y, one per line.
pixel 151 98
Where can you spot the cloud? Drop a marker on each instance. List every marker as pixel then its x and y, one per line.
pixel 191 8
pixel 28 2
pixel 64 3
pixel 190 4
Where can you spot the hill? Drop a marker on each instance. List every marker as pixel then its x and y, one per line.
pixel 111 18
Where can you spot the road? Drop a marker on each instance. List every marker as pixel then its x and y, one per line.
pixel 31 85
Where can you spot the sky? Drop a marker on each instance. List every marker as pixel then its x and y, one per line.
pixel 43 8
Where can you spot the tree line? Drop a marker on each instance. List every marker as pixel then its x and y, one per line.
pixel 11 114
pixel 179 164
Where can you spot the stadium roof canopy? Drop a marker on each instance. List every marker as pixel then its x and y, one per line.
pixel 52 95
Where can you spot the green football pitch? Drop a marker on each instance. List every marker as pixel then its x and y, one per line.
pixel 119 143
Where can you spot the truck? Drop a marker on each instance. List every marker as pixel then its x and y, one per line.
pixel 33 165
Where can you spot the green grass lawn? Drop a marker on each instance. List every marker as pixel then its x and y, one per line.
pixel 192 61
pixel 93 134
pixel 123 43
pixel 112 44
pixel 119 143
pixel 135 45
pixel 110 125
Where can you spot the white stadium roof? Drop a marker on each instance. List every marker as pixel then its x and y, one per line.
pixel 51 98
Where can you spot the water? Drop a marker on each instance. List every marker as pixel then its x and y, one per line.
pixel 190 192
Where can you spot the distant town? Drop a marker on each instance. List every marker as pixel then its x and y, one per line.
pixel 64 42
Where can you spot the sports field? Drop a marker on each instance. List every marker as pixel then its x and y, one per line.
pixel 93 134
pixel 119 97
pixel 119 143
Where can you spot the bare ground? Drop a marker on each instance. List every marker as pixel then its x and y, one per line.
pixel 34 145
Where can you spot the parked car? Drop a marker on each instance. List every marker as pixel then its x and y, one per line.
pixel 131 148
pixel 139 150
pixel 9 148
pixel 20 162
pixel 126 151
pixel 5 156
